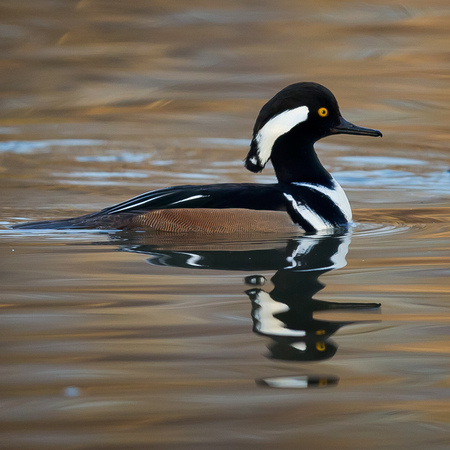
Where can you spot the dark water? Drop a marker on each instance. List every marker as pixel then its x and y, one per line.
pixel 127 341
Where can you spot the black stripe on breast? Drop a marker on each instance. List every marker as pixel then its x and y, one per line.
pixel 318 202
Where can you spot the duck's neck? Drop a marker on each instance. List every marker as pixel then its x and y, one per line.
pixel 295 160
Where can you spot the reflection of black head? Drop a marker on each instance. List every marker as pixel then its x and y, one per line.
pixel 294 332
pixel 286 314
pixel 302 351
pixel 298 381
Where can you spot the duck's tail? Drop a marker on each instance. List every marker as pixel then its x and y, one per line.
pixel 87 221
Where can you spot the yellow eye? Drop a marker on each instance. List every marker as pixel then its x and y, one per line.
pixel 321 346
pixel 323 112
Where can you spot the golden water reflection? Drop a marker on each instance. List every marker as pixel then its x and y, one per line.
pixel 155 352
pixel 284 314
pixel 103 100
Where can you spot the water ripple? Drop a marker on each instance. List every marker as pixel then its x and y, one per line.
pixel 26 147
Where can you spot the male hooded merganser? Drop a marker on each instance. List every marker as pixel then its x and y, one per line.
pixel 306 194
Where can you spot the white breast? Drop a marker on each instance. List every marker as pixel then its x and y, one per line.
pixel 336 194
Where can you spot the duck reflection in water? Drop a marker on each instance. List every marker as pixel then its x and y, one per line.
pixel 285 315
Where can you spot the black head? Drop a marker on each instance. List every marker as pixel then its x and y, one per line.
pixel 309 109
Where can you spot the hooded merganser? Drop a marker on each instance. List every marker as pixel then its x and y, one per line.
pixel 285 131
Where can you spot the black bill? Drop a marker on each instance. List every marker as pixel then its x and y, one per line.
pixel 346 127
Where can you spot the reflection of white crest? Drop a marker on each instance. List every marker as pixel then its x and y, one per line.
pixel 276 127
pixel 267 323
pixel 297 382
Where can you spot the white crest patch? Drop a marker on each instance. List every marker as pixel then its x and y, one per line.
pixel 276 127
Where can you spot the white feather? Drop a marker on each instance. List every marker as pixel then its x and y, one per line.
pixel 189 198
pixel 336 194
pixel 132 203
pixel 276 127
pixel 314 219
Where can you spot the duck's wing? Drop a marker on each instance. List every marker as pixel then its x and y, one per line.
pixel 215 196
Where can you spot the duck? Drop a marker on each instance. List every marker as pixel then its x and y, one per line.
pixel 305 197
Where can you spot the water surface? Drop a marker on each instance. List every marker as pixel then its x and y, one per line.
pixel 113 340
